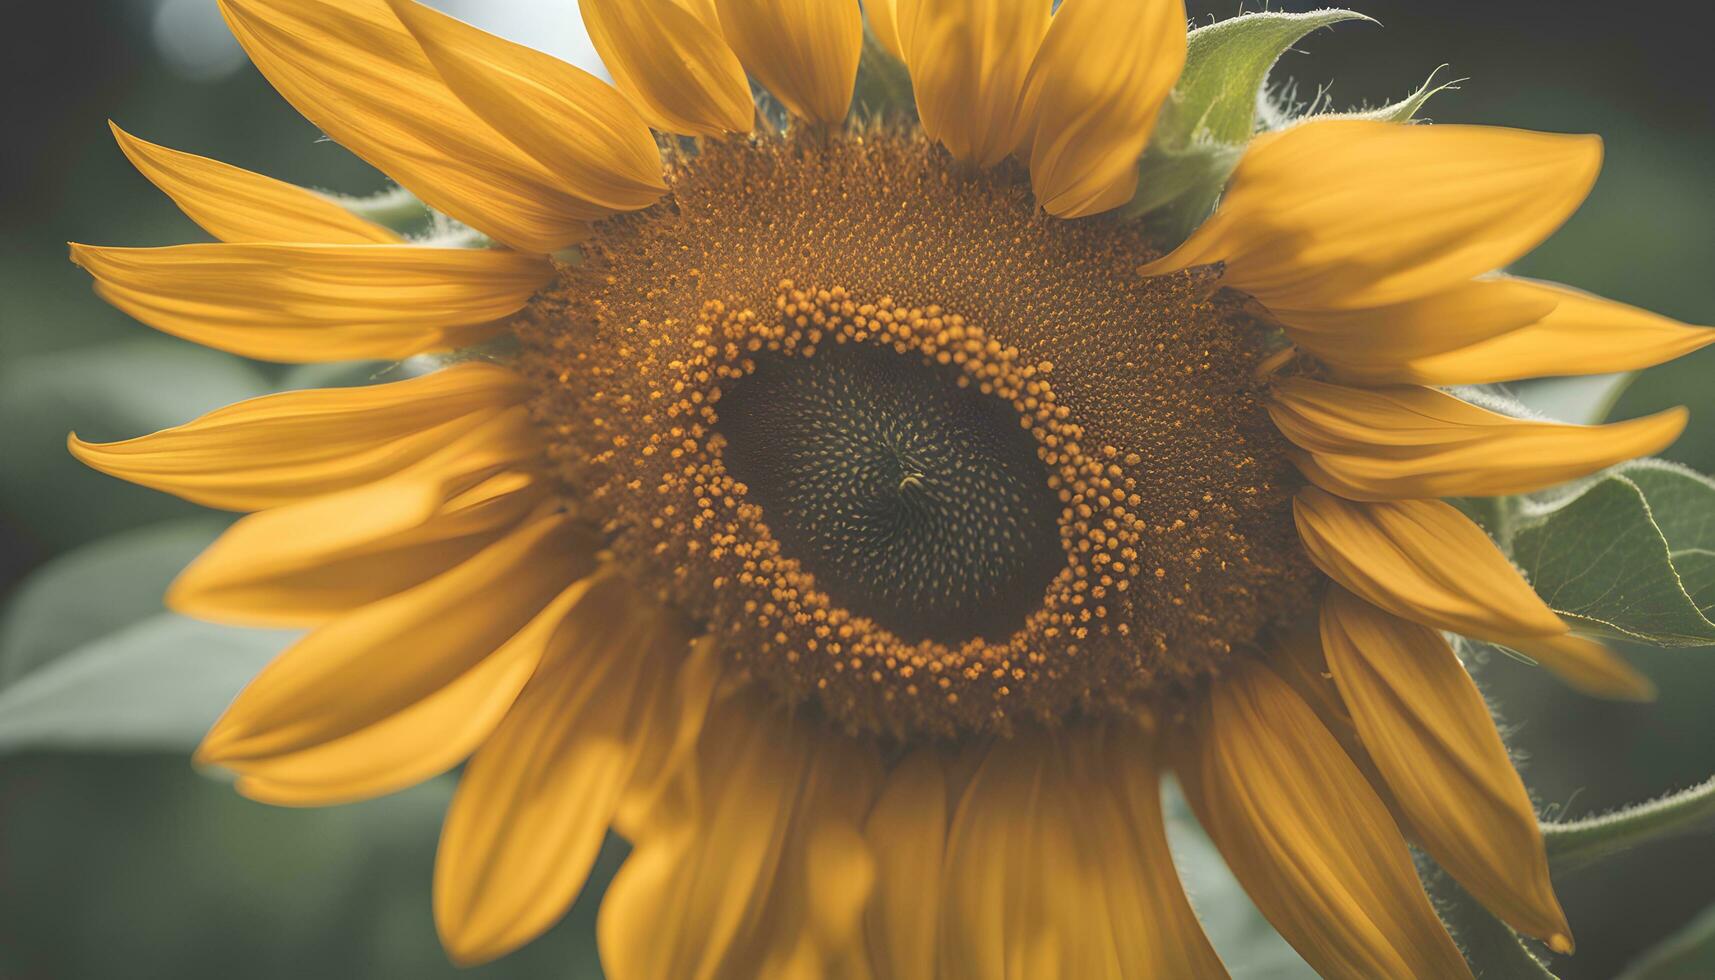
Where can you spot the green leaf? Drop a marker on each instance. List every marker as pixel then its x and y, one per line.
pixel 1577 843
pixel 1600 558
pixel 1226 66
pixel 110 392
pixel 1493 949
pixel 154 686
pixel 97 589
pixel 1688 954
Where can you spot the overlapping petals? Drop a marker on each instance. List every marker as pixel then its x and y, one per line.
pixel 235 205
pixel 1406 441
pixel 1308 838
pixel 1584 334
pixel 317 303
pixel 803 51
pixel 303 564
pixel 1057 866
pixel 759 868
pixel 575 124
pixel 534 804
pixel 420 739
pixel 350 674
pixel 354 70
pixel 1422 560
pixel 1343 214
pixel 1090 100
pixel 668 58
pixel 288 447
pixel 1430 734
pixel 968 61
pixel 907 833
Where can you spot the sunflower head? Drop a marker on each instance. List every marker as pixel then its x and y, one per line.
pixel 860 509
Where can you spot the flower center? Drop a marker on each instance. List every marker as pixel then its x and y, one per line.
pixel 913 452
pixel 911 500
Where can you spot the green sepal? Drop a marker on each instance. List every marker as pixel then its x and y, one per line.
pixel 1578 843
pixel 395 208
pixel 1212 113
pixel 1226 66
pixel 1406 109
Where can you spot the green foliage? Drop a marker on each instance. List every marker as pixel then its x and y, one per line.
pixel 97 589
pixel 156 685
pixel 1601 555
pixel 1688 954
pixel 883 89
pixel 1406 109
pixel 110 392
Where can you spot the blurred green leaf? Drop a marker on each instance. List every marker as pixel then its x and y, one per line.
pixel 883 87
pixel 1577 843
pixel 103 393
pixel 156 685
pixel 1688 954
pixel 138 867
pixel 1600 558
pixel 95 590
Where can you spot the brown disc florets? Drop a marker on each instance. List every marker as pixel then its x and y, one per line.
pixel 915 451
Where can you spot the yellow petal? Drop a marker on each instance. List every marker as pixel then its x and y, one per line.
pixel 281 448
pixel 1404 441
pixel 1381 344
pixel 304 564
pixel 1584 334
pixel 669 59
pixel 1091 98
pixel 670 746
pixel 317 303
pixel 1307 837
pixel 765 870
pixel 420 740
pixel 1431 736
pixel 1342 214
pixel 1585 665
pixel 575 124
pixel 1421 560
pixel 352 69
pixel 803 51
pixel 907 831
pixel 1057 866
pixel 351 673
pixel 534 804
pixel 968 60
pixel 235 205
pixel 883 17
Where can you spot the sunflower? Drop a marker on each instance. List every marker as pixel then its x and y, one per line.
pixel 859 516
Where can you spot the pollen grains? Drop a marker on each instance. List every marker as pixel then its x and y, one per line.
pixel 925 459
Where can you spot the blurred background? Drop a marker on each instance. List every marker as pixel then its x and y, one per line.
pixel 129 864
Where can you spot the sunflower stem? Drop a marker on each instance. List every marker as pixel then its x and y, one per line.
pixel 1578 843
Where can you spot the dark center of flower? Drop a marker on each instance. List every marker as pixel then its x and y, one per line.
pixel 913 500
pixel 915 454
